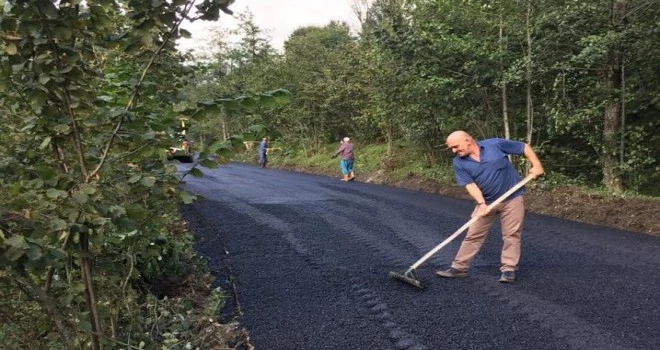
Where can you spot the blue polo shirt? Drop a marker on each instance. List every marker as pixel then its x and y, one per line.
pixel 262 147
pixel 493 174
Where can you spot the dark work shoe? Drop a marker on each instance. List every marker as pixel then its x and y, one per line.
pixel 452 273
pixel 508 277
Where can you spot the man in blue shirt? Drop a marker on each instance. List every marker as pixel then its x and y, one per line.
pixel 263 152
pixel 485 171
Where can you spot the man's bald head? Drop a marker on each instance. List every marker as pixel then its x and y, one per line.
pixel 461 143
pixel 459 135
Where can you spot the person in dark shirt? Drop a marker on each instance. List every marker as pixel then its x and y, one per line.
pixel 485 171
pixel 347 159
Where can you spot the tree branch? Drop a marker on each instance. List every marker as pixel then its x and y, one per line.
pixel 77 140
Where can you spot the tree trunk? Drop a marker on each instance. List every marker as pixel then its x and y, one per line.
pixel 225 134
pixel 389 136
pixel 90 295
pixel 612 79
pixel 623 110
pixel 505 106
pixel 530 106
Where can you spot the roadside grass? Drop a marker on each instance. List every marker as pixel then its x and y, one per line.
pixel 369 160
pixel 405 162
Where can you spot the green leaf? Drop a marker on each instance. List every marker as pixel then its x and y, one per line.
pixel 15 189
pixel 196 172
pixel 135 178
pixel 80 197
pixel 84 322
pixel 128 234
pixel 55 193
pixel 267 101
pixel 63 33
pixel 136 213
pixel 146 39
pixel 184 33
pixel 133 47
pixel 87 189
pixel 117 112
pixel 44 78
pixel 145 26
pixel 156 3
pixel 34 252
pixel 105 98
pixel 17 241
pixel 66 298
pixel 136 15
pixel 28 128
pixel 149 181
pixel 256 128
pixel 186 197
pixel 78 287
pixel 62 129
pixel 171 169
pixel 209 163
pixel 17 68
pixel 117 209
pixel 58 225
pixel 149 135
pixel 37 99
pixel 45 143
pixel 36 184
pixel 99 221
pixel 282 96
pixel 206 103
pixel 44 171
pixel 117 36
pixel 75 103
pixel 13 253
pixel 49 9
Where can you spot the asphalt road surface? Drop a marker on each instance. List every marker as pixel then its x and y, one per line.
pixel 307 259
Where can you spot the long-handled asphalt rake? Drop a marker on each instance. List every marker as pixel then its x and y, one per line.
pixel 409 276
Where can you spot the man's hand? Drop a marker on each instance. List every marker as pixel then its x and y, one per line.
pixel 482 209
pixel 475 193
pixel 536 171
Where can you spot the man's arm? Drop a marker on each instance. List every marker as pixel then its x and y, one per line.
pixel 341 148
pixel 475 193
pixel 536 168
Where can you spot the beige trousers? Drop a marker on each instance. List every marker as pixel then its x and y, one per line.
pixel 512 214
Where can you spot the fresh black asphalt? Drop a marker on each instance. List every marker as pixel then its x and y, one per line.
pixel 306 259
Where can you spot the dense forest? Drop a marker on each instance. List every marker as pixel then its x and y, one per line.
pixel 93 252
pixel 576 79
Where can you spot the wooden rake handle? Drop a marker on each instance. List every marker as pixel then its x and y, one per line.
pixel 469 223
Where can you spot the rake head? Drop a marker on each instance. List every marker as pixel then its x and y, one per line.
pixel 407 277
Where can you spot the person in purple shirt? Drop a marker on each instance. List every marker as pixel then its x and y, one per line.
pixel 347 159
pixel 485 171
